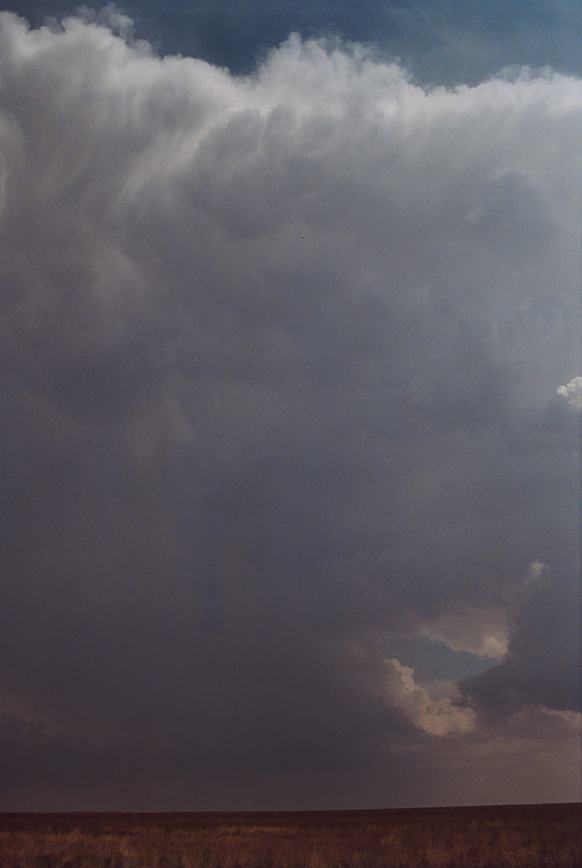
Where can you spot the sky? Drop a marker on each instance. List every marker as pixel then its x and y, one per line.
pixel 292 389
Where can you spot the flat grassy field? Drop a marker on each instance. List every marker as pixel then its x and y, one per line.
pixel 520 836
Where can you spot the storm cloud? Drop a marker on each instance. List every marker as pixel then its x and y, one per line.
pixel 439 41
pixel 282 359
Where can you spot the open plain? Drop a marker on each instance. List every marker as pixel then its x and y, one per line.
pixel 514 836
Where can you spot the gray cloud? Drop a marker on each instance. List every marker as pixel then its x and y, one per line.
pixel 542 666
pixel 280 357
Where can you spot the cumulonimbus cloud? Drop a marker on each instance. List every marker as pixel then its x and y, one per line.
pixel 278 356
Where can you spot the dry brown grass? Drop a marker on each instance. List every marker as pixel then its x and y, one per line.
pixel 547 836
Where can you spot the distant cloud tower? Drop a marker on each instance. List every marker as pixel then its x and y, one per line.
pixel 572 392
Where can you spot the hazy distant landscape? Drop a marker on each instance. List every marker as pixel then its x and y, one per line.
pixel 523 836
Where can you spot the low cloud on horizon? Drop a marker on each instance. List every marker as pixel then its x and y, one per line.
pixel 290 375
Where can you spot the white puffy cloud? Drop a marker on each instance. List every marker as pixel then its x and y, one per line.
pixel 572 392
pixel 438 717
